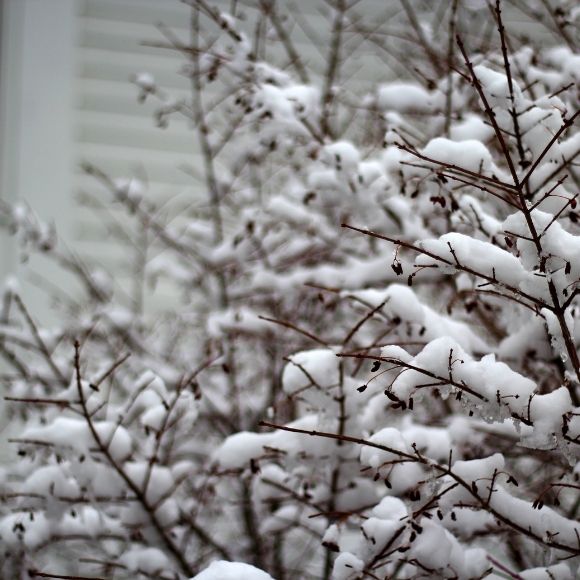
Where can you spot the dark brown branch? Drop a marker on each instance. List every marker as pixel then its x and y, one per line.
pixel 462 267
pixel 443 470
pixel 167 541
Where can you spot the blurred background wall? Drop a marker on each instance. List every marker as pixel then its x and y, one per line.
pixel 66 97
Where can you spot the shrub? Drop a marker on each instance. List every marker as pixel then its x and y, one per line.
pixel 373 371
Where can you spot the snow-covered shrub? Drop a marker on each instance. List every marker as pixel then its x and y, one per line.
pixel 374 372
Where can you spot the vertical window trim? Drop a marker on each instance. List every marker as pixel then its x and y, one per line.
pixel 37 107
